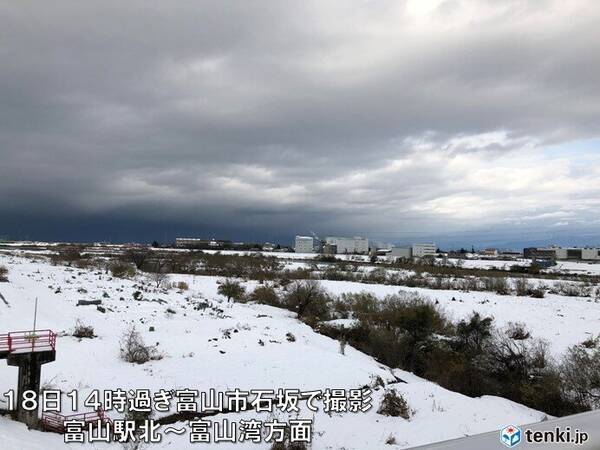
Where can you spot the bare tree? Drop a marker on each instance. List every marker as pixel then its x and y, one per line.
pixel 159 275
pixel 137 256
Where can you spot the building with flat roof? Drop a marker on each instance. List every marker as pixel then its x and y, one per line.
pixel 400 253
pixel 306 244
pixel 349 245
pixel 424 250
pixel 562 253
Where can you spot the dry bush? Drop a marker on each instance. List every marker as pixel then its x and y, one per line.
pixel 571 289
pixel 120 269
pixel 134 350
pixel 181 285
pixel 518 331
pixel 3 274
pixel 580 371
pixel 137 257
pixel 158 279
pixel 84 263
pixel 83 331
pixel 394 405
pixel 523 287
pixel 67 254
pixel 288 446
pixel 391 440
pixel 265 295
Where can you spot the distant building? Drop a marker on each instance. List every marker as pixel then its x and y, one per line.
pixel 347 245
pixel 423 250
pixel 400 253
pixel 330 249
pixel 490 252
pixel 306 244
pixel 269 247
pixel 590 254
pixel 534 253
pixel 562 254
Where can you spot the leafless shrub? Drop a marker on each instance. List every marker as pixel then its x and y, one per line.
pixel 518 331
pixel 158 279
pixel 394 405
pixel 308 299
pixel 265 295
pixel 83 331
pixel 137 257
pixel 523 287
pixel 3 274
pixel 181 285
pixel 581 372
pixel 134 350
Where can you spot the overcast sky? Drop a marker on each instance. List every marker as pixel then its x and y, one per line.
pixel 461 121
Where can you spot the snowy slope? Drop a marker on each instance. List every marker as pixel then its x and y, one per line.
pixel 198 354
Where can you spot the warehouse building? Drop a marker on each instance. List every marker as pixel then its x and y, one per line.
pixel 562 254
pixel 349 245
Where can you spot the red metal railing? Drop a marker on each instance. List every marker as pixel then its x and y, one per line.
pixel 52 421
pixel 28 341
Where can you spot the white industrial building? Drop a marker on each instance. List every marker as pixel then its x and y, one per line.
pixel 400 253
pixel 423 250
pixel 414 251
pixel 563 253
pixel 306 244
pixel 349 245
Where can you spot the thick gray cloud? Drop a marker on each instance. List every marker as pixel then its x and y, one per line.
pixel 379 117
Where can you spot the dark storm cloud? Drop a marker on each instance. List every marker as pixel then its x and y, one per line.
pixel 333 115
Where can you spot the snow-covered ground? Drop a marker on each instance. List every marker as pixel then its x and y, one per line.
pixel 489 263
pixel 575 267
pixel 562 321
pixel 246 346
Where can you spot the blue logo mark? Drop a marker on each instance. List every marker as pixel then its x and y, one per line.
pixel 510 436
